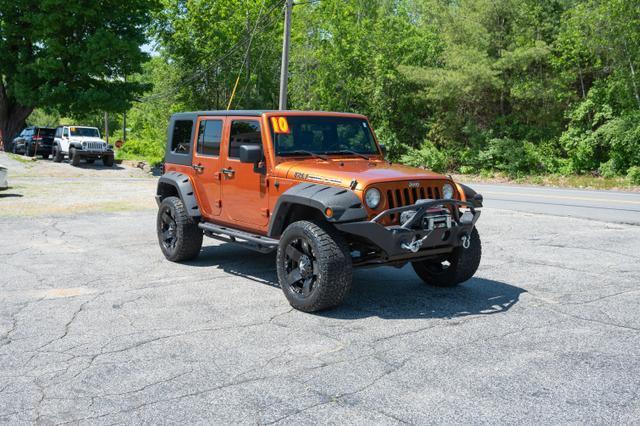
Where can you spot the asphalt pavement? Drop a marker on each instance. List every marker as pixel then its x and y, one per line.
pixel 96 327
pixel 607 206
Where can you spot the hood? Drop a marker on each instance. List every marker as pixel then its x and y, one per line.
pixel 342 172
pixel 86 139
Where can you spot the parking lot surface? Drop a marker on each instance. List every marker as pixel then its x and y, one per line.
pixel 97 327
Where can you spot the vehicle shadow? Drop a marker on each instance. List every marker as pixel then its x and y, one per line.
pixel 10 194
pixel 99 166
pixel 383 292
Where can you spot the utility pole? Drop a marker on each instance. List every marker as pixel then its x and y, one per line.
pixel 284 68
pixel 106 127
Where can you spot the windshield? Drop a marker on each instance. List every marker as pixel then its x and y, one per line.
pixel 85 132
pixel 309 135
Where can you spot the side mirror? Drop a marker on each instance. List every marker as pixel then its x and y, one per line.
pixel 250 154
pixel 383 148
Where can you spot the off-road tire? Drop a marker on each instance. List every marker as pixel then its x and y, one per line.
pixel 107 161
pixel 463 263
pixel 331 252
pixel 188 236
pixel 74 158
pixel 58 156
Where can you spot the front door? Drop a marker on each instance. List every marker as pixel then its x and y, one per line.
pixel 244 190
pixel 206 164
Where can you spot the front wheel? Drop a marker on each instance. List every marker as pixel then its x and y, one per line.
pixel 74 157
pixel 179 236
pixel 455 268
pixel 107 161
pixel 314 266
pixel 57 154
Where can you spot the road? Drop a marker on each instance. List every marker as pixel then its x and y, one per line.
pixel 607 206
pixel 96 327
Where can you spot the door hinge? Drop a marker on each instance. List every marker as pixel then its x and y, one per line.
pixel 265 212
pixel 218 203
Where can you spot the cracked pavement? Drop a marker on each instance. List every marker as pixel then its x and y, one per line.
pixel 96 327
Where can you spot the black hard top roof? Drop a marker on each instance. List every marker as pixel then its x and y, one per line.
pixel 246 113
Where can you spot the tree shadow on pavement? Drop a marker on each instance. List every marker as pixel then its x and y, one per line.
pixel 383 292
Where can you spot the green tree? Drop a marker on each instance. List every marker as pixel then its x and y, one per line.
pixel 69 55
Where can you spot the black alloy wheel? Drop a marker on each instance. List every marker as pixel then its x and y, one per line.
pixel 179 236
pixel 168 228
pixel 314 266
pixel 301 266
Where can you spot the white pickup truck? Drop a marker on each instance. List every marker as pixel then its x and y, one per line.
pixel 79 142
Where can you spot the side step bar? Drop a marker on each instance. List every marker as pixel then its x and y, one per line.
pixel 247 239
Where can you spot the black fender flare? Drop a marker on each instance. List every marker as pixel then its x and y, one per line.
pixel 346 205
pixel 183 186
pixel 472 196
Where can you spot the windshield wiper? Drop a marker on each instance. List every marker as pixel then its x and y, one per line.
pixel 302 151
pixel 348 151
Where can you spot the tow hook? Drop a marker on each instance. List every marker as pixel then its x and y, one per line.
pixel 415 245
pixel 466 241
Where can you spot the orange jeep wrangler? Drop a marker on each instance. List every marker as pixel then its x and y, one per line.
pixel 315 187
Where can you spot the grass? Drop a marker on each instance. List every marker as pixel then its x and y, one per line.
pixel 20 158
pixel 560 181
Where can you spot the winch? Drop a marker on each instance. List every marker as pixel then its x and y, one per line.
pixel 433 218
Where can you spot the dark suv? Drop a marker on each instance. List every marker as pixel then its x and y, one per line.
pixel 33 141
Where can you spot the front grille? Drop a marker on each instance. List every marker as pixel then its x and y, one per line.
pixel 94 146
pixel 407 196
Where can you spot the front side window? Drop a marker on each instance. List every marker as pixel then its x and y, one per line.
pixel 210 137
pixel 325 135
pixel 243 132
pixel 181 138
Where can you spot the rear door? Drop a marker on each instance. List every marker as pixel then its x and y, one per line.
pixel 244 190
pixel 206 164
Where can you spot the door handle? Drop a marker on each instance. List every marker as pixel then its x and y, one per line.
pixel 228 172
pixel 198 168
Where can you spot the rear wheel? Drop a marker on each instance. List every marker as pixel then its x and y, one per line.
pixel 74 157
pixel 455 268
pixel 314 266
pixel 179 236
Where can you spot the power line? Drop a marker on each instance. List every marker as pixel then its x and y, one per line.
pixel 246 56
pixel 232 50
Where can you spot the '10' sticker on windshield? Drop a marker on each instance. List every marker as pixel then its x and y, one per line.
pixel 280 125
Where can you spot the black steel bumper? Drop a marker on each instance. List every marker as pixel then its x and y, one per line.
pixel 395 240
pixel 94 154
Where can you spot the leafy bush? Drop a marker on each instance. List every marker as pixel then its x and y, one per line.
pixel 511 157
pixel 426 156
pixel 149 150
pixel 634 175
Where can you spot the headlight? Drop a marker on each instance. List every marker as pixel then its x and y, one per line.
pixel 447 191
pixel 372 198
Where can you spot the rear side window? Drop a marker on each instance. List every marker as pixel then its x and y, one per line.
pixel 209 137
pixel 181 138
pixel 243 132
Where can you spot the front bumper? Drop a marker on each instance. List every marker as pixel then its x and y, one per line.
pixel 94 154
pixel 400 241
